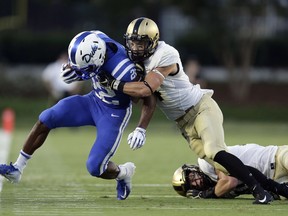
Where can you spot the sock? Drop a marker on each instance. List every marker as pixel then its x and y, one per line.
pixel 236 168
pixel 268 184
pixel 122 174
pixel 21 161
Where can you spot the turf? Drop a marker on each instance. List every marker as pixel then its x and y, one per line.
pixel 56 182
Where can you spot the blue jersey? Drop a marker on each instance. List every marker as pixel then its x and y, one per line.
pixel 120 67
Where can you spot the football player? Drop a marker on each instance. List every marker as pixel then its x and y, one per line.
pixel 107 109
pixel 191 182
pixel 193 109
pixel 204 181
pixel 271 160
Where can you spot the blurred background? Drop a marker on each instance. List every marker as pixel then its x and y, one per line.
pixel 238 48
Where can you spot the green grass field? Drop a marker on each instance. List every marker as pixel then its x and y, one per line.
pixel 56 182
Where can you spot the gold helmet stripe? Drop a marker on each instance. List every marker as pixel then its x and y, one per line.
pixel 137 25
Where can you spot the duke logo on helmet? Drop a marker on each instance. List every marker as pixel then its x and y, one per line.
pixel 86 53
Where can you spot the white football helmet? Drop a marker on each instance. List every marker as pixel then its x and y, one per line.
pixel 86 53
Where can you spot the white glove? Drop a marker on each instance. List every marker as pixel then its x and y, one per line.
pixel 68 74
pixel 137 138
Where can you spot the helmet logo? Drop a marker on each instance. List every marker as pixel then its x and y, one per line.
pixel 87 57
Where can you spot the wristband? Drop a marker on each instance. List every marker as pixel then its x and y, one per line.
pixel 118 85
pixel 147 84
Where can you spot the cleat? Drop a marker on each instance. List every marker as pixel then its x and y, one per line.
pixel 275 196
pixel 11 173
pixel 261 196
pixel 124 185
pixel 283 191
pixel 123 190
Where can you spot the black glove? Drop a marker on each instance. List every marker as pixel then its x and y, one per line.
pixel 141 72
pixel 108 81
pixel 105 79
pixel 197 194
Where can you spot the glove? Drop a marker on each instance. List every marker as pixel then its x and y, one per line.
pixel 140 70
pixel 194 194
pixel 137 138
pixel 108 81
pixel 68 74
pixel 197 194
pixel 105 79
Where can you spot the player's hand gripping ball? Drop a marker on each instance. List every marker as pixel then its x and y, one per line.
pixel 68 74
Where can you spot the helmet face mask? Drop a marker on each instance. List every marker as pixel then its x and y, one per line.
pixel 86 54
pixel 138 49
pixel 195 178
pixel 188 177
pixel 142 31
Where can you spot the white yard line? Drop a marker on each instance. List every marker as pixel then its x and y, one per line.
pixel 5 140
pixel 136 185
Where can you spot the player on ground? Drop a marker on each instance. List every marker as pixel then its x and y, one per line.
pixel 106 109
pixel 204 181
pixel 192 108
